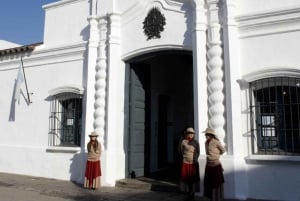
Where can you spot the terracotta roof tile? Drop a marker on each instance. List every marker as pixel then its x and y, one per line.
pixel 24 48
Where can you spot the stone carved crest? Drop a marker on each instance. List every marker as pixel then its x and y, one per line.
pixel 154 23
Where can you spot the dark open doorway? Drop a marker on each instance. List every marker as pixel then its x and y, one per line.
pixel 159 105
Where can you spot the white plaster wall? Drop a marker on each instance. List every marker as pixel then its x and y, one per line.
pixel 24 139
pixel 274 180
pixel 269 52
pixel 35 161
pixel 66 22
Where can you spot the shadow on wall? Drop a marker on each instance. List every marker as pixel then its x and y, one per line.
pixel 77 167
pixel 276 180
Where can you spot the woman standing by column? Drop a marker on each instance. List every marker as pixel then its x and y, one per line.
pixel 93 168
pixel 189 177
pixel 213 176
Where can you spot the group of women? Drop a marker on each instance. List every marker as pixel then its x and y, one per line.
pixel 189 176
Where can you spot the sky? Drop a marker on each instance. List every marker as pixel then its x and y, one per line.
pixel 22 21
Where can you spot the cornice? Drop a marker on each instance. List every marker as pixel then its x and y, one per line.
pixel 60 3
pixel 46 55
pixel 269 22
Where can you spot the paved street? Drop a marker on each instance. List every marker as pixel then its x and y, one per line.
pixel 26 188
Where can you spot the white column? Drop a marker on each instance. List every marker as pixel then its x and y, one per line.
pixel 215 72
pixel 90 81
pixel 236 145
pixel 233 73
pixel 199 68
pixel 100 83
pixel 115 102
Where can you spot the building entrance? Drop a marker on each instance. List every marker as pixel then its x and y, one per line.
pixel 159 104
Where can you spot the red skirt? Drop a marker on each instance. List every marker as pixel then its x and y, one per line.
pixel 189 172
pixel 92 174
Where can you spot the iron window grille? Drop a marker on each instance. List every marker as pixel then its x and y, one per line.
pixel 65 120
pixel 275 116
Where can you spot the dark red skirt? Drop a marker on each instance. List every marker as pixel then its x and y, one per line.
pixel 92 171
pixel 189 172
pixel 213 178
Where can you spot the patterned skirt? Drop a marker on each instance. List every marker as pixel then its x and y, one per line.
pixel 213 182
pixel 92 174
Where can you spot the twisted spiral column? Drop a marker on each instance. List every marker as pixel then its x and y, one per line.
pixel 215 73
pixel 100 82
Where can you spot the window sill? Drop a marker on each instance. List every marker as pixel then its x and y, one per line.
pixel 63 149
pixel 268 158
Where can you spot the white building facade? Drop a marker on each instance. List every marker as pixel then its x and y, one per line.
pixel 137 72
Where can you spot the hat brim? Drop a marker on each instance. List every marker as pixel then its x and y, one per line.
pixel 188 132
pixel 206 132
pixel 210 134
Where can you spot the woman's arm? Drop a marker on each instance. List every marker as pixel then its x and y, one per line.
pixel 220 147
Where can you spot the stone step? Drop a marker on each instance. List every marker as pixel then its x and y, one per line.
pixel 147 184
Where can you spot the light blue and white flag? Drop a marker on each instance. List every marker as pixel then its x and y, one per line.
pixel 19 81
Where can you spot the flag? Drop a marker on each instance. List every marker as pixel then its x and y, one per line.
pixel 19 81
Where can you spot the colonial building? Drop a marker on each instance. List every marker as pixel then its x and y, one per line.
pixel 137 72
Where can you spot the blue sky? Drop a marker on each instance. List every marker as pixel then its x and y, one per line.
pixel 22 21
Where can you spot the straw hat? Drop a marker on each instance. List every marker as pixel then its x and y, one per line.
pixel 209 131
pixel 93 134
pixel 189 130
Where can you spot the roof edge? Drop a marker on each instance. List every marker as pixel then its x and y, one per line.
pixel 24 48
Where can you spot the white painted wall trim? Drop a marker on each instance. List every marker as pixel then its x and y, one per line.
pixel 276 158
pixel 155 48
pixel 67 89
pixel 269 22
pixel 272 72
pixel 63 149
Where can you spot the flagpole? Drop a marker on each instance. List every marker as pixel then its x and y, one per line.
pixel 25 81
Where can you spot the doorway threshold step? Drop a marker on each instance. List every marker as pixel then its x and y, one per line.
pixel 147 184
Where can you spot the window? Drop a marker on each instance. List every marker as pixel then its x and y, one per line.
pixel 275 116
pixel 65 119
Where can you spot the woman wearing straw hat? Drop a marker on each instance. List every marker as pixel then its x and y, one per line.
pixel 213 176
pixel 189 176
pixel 93 168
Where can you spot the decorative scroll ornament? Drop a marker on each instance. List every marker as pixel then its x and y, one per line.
pixel 154 23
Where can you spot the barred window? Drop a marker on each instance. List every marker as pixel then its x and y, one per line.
pixel 65 119
pixel 275 116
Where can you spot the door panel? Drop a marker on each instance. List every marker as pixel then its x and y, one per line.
pixel 137 111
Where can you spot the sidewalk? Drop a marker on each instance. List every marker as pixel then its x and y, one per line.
pixel 20 187
pixel 66 190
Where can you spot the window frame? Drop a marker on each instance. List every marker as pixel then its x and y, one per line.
pixel 61 94
pixel 257 112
